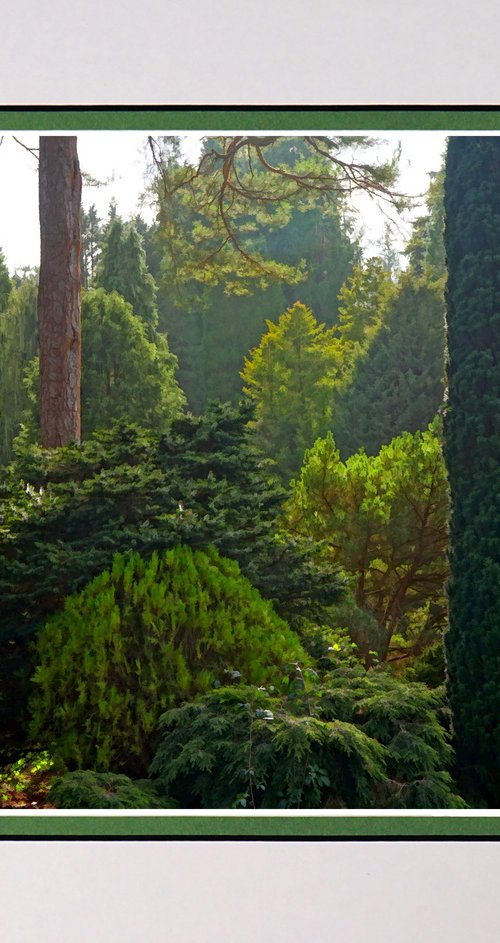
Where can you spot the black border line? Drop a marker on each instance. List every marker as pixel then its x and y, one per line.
pixel 250 108
pixel 263 839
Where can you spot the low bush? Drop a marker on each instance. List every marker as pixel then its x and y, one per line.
pixel 85 789
pixel 348 739
pixel 140 638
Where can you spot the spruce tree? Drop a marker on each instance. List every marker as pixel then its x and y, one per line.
pixel 122 267
pixel 472 450
pixel 397 382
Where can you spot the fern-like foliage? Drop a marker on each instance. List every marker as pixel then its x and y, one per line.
pixel 85 789
pixel 349 739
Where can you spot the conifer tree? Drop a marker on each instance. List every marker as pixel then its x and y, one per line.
pixel 363 299
pixel 122 267
pixel 124 375
pixel 396 384
pixel 425 249
pixel 91 245
pixel 143 636
pixel 18 345
pixel 472 451
pixel 383 520
pixel 290 377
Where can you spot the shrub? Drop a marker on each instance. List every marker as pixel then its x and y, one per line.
pixel 85 789
pixel 354 738
pixel 140 638
pixel 64 513
pixel 240 747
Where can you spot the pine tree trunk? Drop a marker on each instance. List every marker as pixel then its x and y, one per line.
pixel 59 321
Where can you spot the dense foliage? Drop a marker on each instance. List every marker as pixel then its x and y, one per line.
pixel 65 513
pixel 384 520
pixel 472 450
pixel 85 789
pixel 397 380
pixel 213 217
pixel 18 346
pixel 290 377
pixel 141 637
pixel 352 739
pixel 124 375
pixel 122 267
pixel 290 634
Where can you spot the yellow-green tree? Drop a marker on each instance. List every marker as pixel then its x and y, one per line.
pixel 362 302
pixel 384 520
pixel 290 377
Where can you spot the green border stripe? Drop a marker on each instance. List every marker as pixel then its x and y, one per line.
pixel 227 119
pixel 258 827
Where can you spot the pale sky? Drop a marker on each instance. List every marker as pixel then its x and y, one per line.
pixel 119 156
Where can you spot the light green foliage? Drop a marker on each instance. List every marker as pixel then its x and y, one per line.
pixel 140 638
pixel 290 377
pixel 18 345
pixel 25 782
pixel 363 300
pixel 384 521
pixel 124 375
pixel 123 268
pixel 349 738
pixel 213 216
pixel 85 789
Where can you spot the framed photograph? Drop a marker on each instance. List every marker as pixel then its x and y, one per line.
pixel 245 356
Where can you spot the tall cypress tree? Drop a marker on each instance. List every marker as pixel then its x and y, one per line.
pixel 472 451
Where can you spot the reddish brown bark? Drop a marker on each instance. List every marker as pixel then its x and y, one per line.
pixel 59 318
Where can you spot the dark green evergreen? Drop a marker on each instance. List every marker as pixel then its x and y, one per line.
pixel 342 737
pixel 472 451
pixel 129 489
pixel 397 384
pixel 86 789
pixel 123 268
